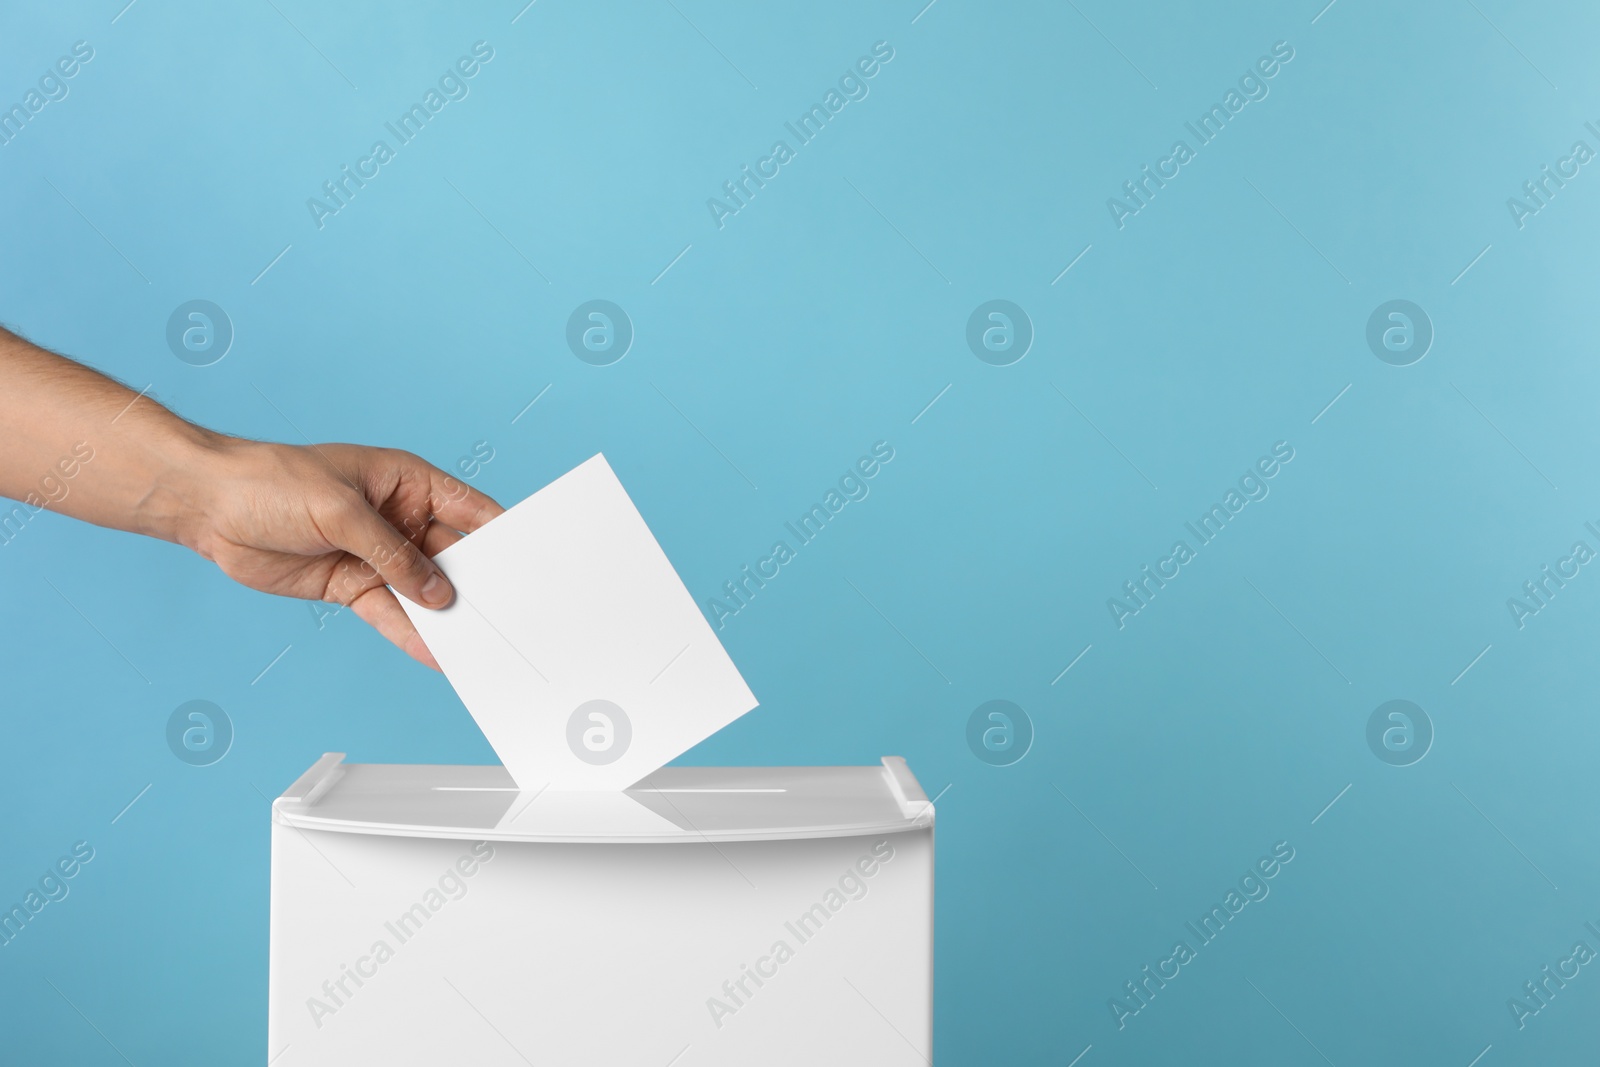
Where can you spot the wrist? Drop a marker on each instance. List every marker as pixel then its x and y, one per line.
pixel 187 466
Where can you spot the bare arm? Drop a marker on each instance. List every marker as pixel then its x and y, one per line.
pixel 324 522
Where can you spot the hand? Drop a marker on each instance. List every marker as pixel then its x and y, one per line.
pixel 339 523
pixel 326 522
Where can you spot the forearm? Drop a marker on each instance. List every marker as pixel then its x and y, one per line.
pixel 79 443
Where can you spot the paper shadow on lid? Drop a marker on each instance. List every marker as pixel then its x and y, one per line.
pixel 583 813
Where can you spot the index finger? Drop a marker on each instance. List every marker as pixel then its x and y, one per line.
pixel 458 505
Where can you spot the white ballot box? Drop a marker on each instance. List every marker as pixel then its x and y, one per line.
pixel 704 916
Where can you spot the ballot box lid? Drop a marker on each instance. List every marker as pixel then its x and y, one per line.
pixel 675 804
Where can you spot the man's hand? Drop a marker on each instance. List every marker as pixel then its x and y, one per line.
pixel 339 523
pixel 321 522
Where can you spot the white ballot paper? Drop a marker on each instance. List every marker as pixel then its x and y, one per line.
pixel 573 642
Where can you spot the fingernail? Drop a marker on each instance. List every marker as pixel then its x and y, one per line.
pixel 436 591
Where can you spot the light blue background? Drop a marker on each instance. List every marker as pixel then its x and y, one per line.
pixel 1215 324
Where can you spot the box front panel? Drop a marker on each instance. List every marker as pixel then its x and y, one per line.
pixel 414 951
